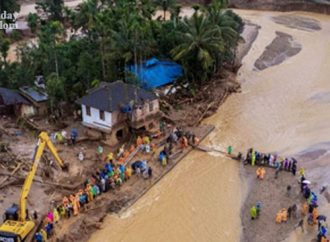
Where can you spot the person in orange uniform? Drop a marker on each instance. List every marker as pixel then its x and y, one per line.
pixel 139 141
pixel 65 201
pixel 126 154
pixel 315 213
pixel 304 209
pixel 184 142
pixel 128 172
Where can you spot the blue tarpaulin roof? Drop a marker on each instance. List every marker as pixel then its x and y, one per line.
pixel 155 73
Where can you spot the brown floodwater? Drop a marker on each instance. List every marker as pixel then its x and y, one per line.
pixel 279 110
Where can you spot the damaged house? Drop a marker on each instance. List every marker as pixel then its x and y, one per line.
pixel 37 97
pixel 117 108
pixel 11 102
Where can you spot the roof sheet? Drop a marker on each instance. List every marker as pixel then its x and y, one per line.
pixel 112 96
pixel 155 73
pixel 10 97
pixel 34 94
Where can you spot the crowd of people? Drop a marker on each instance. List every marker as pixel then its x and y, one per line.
pixel 309 208
pixel 112 175
pixel 177 137
pixel 254 157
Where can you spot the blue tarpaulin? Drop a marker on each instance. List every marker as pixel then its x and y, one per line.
pixel 155 73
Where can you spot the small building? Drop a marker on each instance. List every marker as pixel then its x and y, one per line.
pixel 37 97
pixel 118 108
pixel 11 102
pixel 156 73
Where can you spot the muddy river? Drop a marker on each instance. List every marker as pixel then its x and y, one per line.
pixel 283 108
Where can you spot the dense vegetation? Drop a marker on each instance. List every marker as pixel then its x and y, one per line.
pixel 78 48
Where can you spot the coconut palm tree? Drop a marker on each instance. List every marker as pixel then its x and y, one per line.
pixel 201 42
pixel 229 25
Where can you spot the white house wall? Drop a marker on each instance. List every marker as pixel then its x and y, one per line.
pixel 94 118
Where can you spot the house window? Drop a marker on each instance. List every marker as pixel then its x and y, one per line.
pixel 151 106
pixel 88 110
pixel 102 116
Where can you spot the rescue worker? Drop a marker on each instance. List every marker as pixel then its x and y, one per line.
pixel 315 214
pixel 146 140
pixel 56 215
pixel 74 135
pixel 139 141
pixel 50 217
pixel 302 172
pixel 261 173
pixel 253 212
pixel 253 158
pixel 65 201
pixel 304 209
pixel 294 168
pixel 149 172
pixel 258 207
pixel 43 234
pixel 89 193
pixel 196 140
pixel 320 219
pixel 99 152
pixel 258 172
pixel 38 237
pixel 35 215
pixel 126 154
pixel 62 211
pixel 229 150
pixel 110 157
pixel 128 172
pixel 184 142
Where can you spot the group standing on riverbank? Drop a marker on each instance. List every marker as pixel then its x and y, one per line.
pixel 309 208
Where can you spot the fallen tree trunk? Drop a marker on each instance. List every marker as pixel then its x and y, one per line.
pixel 21 179
pixel 11 174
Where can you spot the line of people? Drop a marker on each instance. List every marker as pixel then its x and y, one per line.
pixel 112 175
pixel 310 208
pixel 254 157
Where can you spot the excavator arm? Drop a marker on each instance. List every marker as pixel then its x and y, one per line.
pixel 43 141
pixel 16 228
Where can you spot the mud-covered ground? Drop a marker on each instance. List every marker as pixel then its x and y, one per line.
pixel 273 196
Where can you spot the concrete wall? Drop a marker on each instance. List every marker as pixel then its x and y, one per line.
pixel 27 110
pixel 94 118
pixel 118 116
pixel 143 112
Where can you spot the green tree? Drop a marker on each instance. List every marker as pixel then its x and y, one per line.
pixel 200 42
pixel 55 90
pixel 86 17
pixel 33 22
pixel 230 26
pixel 4 48
pixel 10 6
pixel 51 8
pixel 50 36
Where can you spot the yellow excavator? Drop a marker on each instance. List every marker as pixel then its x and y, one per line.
pixel 17 225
